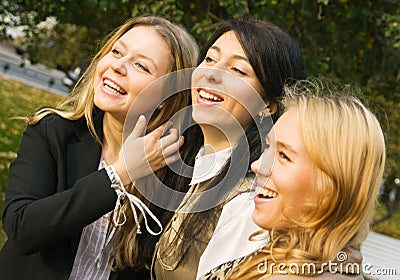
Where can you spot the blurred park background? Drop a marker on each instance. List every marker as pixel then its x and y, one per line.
pixel 351 41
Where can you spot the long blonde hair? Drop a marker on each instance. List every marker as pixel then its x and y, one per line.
pixel 346 143
pixel 130 250
pixel 80 102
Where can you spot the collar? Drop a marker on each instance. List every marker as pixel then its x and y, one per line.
pixel 207 166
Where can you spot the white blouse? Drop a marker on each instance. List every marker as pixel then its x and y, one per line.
pixel 230 238
pixel 207 166
pixel 94 250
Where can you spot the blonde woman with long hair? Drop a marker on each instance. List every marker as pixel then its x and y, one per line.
pixel 316 202
pixel 70 191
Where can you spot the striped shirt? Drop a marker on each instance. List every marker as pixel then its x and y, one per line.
pixel 94 250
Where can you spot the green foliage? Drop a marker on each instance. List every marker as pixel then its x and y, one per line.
pixel 64 44
pixel 390 24
pixel 349 40
pixel 389 227
pixel 341 39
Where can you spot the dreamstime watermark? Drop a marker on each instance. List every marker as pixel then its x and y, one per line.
pixel 338 266
pixel 371 270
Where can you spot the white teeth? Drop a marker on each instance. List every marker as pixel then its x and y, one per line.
pixel 114 87
pixel 267 193
pixel 209 96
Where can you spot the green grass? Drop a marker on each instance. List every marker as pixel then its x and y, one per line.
pixel 19 100
pixel 16 100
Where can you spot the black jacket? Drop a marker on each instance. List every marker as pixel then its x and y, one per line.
pixel 54 190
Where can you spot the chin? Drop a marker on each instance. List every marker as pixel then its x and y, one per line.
pixel 260 220
pixel 202 117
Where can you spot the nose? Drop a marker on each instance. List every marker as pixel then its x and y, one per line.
pixel 213 74
pixel 255 166
pixel 119 66
pixel 262 166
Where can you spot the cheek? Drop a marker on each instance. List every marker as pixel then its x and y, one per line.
pixel 243 117
pixel 97 82
pixel 298 191
pixel 193 95
pixel 196 75
pixel 240 106
pixel 143 96
pixel 102 65
pixel 268 216
pixel 98 74
pixel 301 195
pixel 248 100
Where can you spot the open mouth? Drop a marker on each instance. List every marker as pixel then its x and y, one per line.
pixel 113 87
pixel 265 193
pixel 209 97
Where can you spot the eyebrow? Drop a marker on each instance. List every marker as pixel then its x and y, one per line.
pixel 119 41
pixel 236 56
pixel 286 146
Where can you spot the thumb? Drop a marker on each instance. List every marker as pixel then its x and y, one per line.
pixel 139 128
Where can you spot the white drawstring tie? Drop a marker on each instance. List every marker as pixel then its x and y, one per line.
pixel 119 216
pixel 133 201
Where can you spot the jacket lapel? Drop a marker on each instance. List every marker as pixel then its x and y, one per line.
pixel 84 154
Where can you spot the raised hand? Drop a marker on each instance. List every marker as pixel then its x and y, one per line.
pixel 141 155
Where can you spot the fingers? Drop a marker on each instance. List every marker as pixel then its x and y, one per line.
pixel 172 147
pixel 155 150
pixel 172 158
pixel 139 128
pixel 170 138
pixel 167 144
pixel 159 131
pixel 163 151
pixel 167 160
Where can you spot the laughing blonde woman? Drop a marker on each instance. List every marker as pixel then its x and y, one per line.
pixel 316 202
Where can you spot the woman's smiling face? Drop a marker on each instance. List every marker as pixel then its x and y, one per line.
pixel 136 59
pixel 285 175
pixel 225 88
